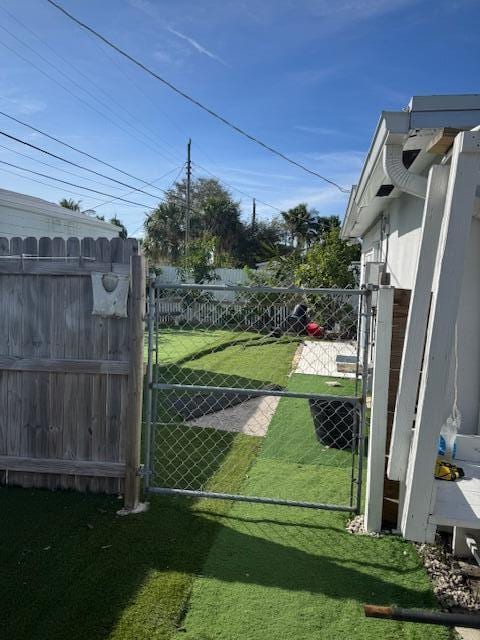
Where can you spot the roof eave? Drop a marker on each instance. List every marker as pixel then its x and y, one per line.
pixel 393 126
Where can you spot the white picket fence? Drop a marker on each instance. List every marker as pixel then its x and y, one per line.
pixel 171 311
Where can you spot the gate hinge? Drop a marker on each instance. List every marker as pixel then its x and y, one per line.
pixel 143 471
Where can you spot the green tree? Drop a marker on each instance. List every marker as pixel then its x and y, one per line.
pixel 329 263
pixel 164 233
pixel 301 224
pixel 214 216
pixel 68 203
pixel 123 232
pixel 198 263
pixel 325 223
pixel 221 219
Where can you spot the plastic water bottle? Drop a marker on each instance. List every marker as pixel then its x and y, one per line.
pixel 448 434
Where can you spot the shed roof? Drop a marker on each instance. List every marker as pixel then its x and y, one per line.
pixel 15 200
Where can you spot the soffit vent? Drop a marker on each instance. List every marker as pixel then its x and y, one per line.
pixel 385 190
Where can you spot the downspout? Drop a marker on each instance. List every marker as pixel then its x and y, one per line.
pixel 399 175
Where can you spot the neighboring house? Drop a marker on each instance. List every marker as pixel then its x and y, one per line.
pixel 415 211
pixel 24 216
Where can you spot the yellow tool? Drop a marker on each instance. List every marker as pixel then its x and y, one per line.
pixel 447 471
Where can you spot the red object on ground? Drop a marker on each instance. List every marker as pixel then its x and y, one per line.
pixel 314 330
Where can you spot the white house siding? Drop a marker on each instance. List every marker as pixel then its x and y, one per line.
pixel 24 216
pixel 405 215
pixel 400 249
pixel 468 329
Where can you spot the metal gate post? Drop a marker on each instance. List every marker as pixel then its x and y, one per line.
pixel 148 394
pixel 367 303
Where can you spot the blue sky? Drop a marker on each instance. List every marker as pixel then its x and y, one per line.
pixel 309 77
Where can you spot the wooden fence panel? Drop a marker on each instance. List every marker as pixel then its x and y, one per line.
pixel 64 373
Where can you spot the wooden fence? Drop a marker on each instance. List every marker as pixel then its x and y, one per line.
pixel 70 382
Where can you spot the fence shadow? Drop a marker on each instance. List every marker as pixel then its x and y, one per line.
pixel 189 456
pixel 87 571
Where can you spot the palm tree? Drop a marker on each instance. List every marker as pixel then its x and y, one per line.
pixel 301 225
pixel 164 233
pixel 68 203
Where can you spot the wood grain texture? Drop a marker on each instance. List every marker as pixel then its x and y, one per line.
pixel 135 391
pixel 64 374
pixel 26 266
pixel 64 365
pixel 69 467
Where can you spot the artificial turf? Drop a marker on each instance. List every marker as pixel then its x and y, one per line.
pixel 278 572
pixel 72 568
pixel 281 572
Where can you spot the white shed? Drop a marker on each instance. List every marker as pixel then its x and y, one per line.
pixel 23 216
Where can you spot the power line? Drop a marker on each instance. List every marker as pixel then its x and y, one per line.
pixel 168 189
pixel 69 146
pixel 79 166
pixel 72 184
pixel 237 189
pixel 52 166
pixel 151 183
pixel 83 75
pixel 76 96
pixel 208 110
pixel 49 153
pixel 54 186
pixel 175 180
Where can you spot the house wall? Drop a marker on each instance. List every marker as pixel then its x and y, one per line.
pixel 405 220
pixel 16 222
pixel 468 332
pixel 401 251
pixel 398 241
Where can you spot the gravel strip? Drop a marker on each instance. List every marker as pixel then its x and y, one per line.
pixel 450 585
pixel 357 527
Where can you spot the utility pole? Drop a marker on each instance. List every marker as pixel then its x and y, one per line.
pixel 187 210
pixel 254 214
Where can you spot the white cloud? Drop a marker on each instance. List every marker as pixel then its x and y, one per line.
pixel 196 45
pixel 344 11
pixel 20 104
pixel 152 11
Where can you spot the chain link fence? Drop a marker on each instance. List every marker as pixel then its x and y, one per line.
pixel 256 393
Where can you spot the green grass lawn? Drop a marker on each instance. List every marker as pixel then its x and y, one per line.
pixel 176 343
pixel 205 569
pixel 192 458
pixel 278 572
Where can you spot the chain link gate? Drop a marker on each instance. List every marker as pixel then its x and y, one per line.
pixel 257 394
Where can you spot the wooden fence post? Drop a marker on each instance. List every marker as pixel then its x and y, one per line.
pixel 135 382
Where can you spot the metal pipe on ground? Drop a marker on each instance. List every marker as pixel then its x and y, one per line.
pixel 466 620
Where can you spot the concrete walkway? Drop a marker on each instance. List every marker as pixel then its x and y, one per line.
pixel 318 357
pixel 251 417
